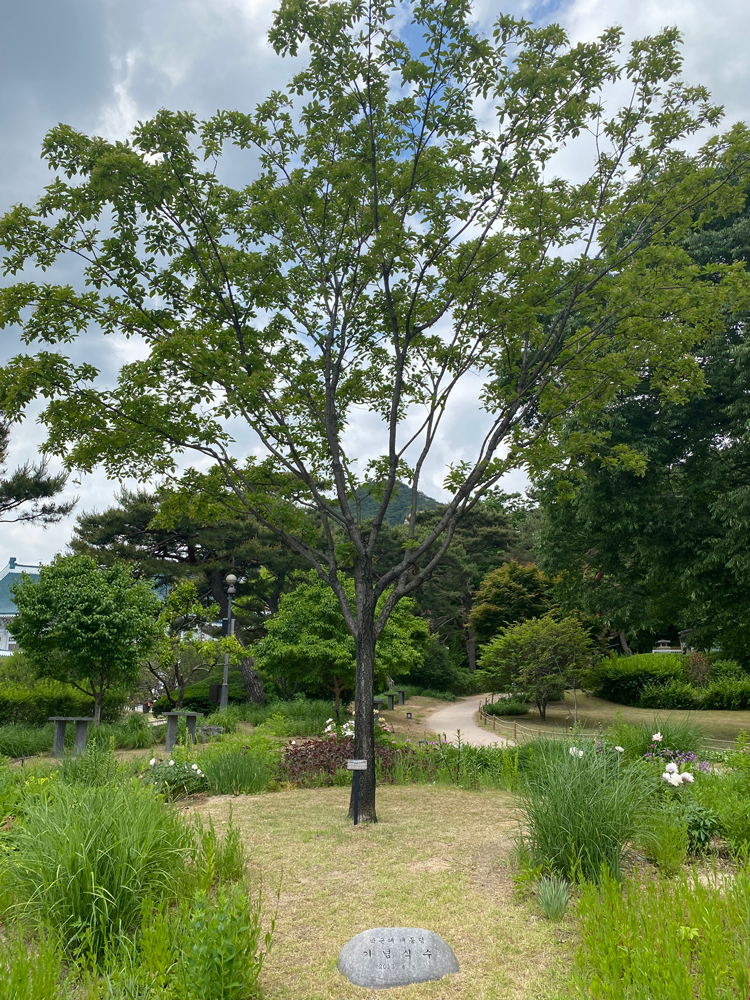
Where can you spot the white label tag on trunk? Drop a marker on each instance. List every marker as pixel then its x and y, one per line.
pixel 356 765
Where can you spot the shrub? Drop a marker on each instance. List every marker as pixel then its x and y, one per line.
pixel 720 670
pixel 219 860
pixel 674 694
pixel 580 808
pixel 552 895
pixel 728 694
pixel 175 778
pixel 309 761
pixel 84 860
pixel 623 678
pixel 507 708
pixel 702 825
pixel 32 705
pixel 671 940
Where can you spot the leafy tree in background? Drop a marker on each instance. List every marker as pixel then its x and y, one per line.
pixel 542 656
pixel 87 626
pixel 183 654
pixel 24 491
pixel 309 641
pixel 200 550
pixel 663 545
pixel 508 595
pixel 481 541
pixel 395 240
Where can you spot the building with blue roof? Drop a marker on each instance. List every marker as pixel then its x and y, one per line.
pixel 9 576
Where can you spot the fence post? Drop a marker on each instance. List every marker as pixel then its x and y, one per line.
pixel 494 717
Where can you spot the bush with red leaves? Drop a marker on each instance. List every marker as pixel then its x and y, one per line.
pixel 311 760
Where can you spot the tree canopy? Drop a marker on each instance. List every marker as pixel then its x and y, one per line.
pixel 508 595
pixel 663 545
pixel 26 494
pixel 84 625
pixel 405 228
pixel 308 640
pixel 541 656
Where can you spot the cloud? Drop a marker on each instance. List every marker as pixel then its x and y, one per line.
pixel 101 65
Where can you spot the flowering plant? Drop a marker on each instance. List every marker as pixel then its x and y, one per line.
pixel 674 777
pixel 176 778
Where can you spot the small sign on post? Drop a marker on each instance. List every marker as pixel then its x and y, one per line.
pixel 356 766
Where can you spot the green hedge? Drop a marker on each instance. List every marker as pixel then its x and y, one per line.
pixel 623 679
pixel 724 695
pixel 32 706
pixel 196 695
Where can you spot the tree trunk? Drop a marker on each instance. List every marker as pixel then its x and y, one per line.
pixel 471 639
pixel 253 684
pixel 624 644
pixel 364 692
pixel 180 695
pixel 98 701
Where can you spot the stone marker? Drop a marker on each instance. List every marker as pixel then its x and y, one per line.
pixel 395 956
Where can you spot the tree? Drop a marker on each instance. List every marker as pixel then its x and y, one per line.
pixel 309 640
pixel 183 653
pixel 394 240
pixel 87 626
pixel 662 544
pixel 542 656
pixel 23 491
pixel 481 541
pixel 507 595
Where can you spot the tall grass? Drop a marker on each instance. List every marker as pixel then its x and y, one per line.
pixel 29 970
pixel 234 772
pixel 636 738
pixel 580 811
pixel 25 741
pixel 667 940
pixel 85 858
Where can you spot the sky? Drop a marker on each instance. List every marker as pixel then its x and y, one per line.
pixel 101 65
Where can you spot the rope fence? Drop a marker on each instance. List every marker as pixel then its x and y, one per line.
pixel 517 732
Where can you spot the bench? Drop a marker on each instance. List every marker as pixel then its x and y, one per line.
pixel 190 720
pixel 61 724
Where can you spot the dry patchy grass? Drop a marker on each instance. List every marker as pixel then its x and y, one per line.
pixel 438 859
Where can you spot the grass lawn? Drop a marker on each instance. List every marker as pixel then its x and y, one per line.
pixel 437 859
pixel 594 713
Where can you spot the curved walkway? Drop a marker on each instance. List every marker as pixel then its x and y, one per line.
pixel 459 714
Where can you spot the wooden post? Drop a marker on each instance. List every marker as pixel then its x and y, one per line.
pixel 514 731
pixel 494 717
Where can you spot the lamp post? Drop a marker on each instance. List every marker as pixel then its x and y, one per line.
pixel 230 579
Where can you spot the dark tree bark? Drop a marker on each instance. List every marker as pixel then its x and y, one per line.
pixel 364 692
pixel 253 684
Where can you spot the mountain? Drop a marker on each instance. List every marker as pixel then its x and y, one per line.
pixel 398 508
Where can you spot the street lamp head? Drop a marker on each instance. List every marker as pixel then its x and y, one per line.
pixel 230 579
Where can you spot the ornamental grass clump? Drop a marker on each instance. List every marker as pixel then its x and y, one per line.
pixel 552 895
pixel 580 807
pixel 84 859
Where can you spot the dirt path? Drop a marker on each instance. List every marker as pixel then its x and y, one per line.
pixel 459 714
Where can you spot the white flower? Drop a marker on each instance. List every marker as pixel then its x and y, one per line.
pixel 194 767
pixel 671 769
pixel 329 720
pixel 294 743
pixel 171 763
pixel 671 778
pixel 687 777
pixel 620 749
pixel 657 737
pixel 580 753
pixel 152 762
pixel 573 751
